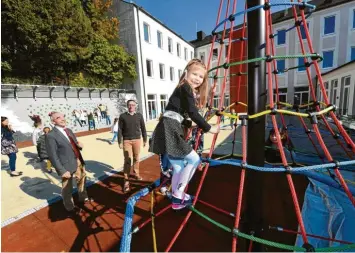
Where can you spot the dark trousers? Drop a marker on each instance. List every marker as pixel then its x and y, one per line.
pixel 12 162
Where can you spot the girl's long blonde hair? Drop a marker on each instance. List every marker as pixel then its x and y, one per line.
pixel 201 91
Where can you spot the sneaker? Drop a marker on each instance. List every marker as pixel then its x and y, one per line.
pixel 178 204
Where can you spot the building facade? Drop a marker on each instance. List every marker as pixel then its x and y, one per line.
pixel 340 87
pixel 161 56
pixel 203 47
pixel 332 31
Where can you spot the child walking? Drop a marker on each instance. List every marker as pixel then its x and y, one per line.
pixel 41 146
pixel 114 130
pixel 168 136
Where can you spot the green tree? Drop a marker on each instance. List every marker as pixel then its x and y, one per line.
pixel 110 64
pixel 44 38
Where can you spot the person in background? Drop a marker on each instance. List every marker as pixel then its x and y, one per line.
pixel 8 146
pixel 76 116
pixel 91 121
pixel 131 128
pixel 114 130
pixel 232 120
pixel 108 118
pixel 41 146
pixel 37 132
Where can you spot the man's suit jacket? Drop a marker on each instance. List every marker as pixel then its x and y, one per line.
pixel 60 151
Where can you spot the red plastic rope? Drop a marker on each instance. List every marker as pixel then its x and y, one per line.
pixel 311 235
pixel 241 186
pixel 274 122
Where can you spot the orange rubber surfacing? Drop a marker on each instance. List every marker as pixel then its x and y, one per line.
pixel 99 227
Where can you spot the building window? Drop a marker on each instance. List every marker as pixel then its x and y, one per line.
pixel 226 100
pixel 179 73
pixel 185 53
pixel 281 66
pixel 146 32
pixel 160 39
pixel 352 54
pixel 215 54
pixel 328 57
pixel 152 107
pixel 334 92
pixel 170 45
pixel 329 25
pixel 162 71
pixel 163 102
pixel 281 37
pixel 354 18
pixel 282 95
pixel 226 51
pixel 345 96
pixel 192 55
pixel 301 95
pixel 301 66
pixel 303 32
pixel 171 73
pixel 215 101
pixel 202 57
pixel 326 85
pixel 149 68
pixel 178 49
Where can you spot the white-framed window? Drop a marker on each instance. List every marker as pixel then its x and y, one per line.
pixel 329 25
pixel 353 19
pixel 345 96
pixel 301 95
pixel 202 57
pixel 160 39
pixel 163 102
pixel 152 106
pixel 226 100
pixel 328 59
pixel 326 86
pixel 215 101
pixel 146 29
pixel 149 65
pixel 170 45
pixel 282 95
pixel 172 74
pixel 191 55
pixel 281 37
pixel 179 73
pixel 185 53
pixel 178 49
pixel 335 92
pixel 215 54
pixel 162 71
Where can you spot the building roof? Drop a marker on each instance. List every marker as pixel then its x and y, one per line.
pixel 157 20
pixel 278 17
pixel 340 67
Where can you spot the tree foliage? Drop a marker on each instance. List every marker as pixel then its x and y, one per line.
pixel 53 40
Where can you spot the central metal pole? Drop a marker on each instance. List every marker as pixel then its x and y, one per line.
pixel 256 127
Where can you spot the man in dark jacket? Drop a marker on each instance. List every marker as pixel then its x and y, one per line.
pixel 63 150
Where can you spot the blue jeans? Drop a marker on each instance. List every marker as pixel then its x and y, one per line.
pixel 12 162
pixel 114 136
pixel 184 169
pixel 108 120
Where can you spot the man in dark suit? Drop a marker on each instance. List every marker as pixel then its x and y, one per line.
pixel 63 150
